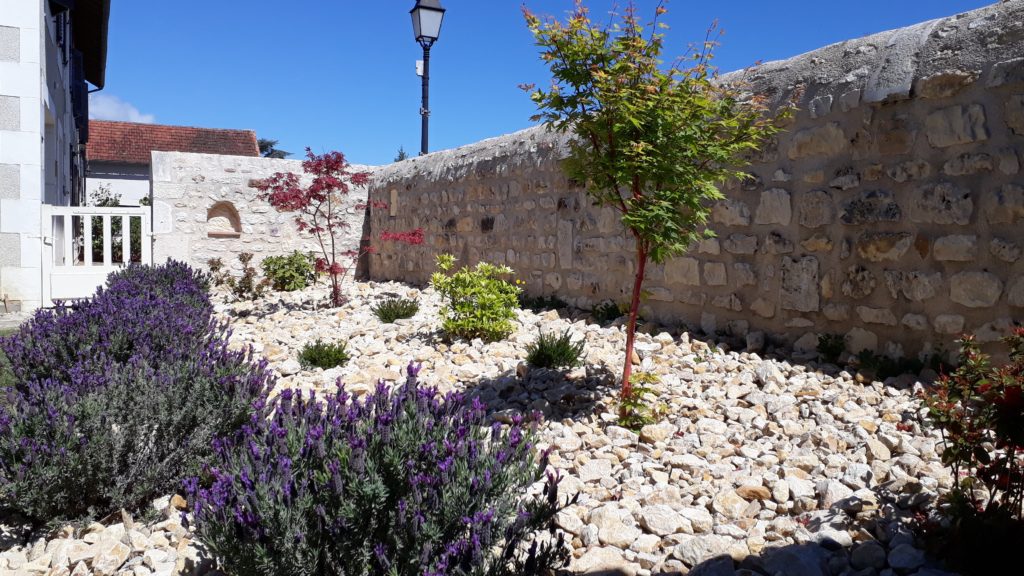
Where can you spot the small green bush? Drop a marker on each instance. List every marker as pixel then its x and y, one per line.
pixel 551 351
pixel 324 355
pixel 247 287
pixel 478 303
pixel 831 346
pixel 635 411
pixel 606 312
pixel 289 273
pixel 396 309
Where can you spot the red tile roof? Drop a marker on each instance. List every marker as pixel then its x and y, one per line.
pixel 131 143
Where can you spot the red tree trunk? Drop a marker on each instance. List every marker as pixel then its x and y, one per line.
pixel 634 308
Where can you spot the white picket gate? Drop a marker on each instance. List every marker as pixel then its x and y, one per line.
pixel 82 245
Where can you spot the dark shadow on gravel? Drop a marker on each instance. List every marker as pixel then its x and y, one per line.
pixel 556 394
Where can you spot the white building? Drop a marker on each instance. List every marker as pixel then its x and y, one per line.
pixel 51 51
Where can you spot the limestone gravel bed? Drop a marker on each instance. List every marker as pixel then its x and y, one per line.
pixel 758 466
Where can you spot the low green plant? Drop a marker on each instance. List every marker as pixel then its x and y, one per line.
pixel 541 303
pixel 635 411
pixel 324 355
pixel 477 302
pixel 289 273
pixel 555 351
pixel 218 274
pixel 247 287
pixel 831 346
pixel 606 312
pixel 393 309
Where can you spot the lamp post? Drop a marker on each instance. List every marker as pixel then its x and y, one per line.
pixel 427 16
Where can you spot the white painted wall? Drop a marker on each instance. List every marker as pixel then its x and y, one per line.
pixel 34 96
pixel 129 181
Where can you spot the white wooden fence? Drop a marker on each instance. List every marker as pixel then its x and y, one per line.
pixel 82 245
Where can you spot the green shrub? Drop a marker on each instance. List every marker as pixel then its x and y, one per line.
pixel 324 355
pixel 831 346
pixel 606 312
pixel 635 411
pixel 247 287
pixel 218 275
pixel 979 408
pixel 478 303
pixel 396 309
pixel 551 351
pixel 289 273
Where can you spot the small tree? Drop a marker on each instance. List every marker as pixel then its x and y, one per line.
pixel 268 149
pixel 319 208
pixel 320 211
pixel 651 141
pixel 402 154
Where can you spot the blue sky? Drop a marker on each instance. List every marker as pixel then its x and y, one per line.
pixel 340 75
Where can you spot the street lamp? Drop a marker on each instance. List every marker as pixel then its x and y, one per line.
pixel 427 16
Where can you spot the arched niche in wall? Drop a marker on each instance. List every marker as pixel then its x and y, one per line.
pixel 222 221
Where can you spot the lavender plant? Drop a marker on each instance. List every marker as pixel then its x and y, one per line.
pixel 114 401
pixel 404 482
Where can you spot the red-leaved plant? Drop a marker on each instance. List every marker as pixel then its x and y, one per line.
pixel 320 210
pixel 980 411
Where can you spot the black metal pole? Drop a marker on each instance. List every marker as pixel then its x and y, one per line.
pixel 425 109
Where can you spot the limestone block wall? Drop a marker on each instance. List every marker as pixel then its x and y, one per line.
pixel 204 207
pixel 890 210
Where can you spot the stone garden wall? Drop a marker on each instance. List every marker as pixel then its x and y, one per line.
pixel 891 209
pixel 204 207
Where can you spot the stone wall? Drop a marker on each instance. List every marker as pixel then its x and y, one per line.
pixel 204 207
pixel 890 210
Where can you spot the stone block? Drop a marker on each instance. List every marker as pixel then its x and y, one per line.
pixel 909 170
pixel 849 100
pixel 714 274
pixel 731 213
pixel 708 323
pixel 914 322
pixel 814 209
pixel 799 289
pixel 660 294
pixel 10 113
pixel 10 249
pixel 740 244
pixel 1005 250
pixel 776 244
pixel 876 316
pixel 914 286
pixel 956 248
pixel 1015 114
pixel 817 243
pixel 727 302
pixel 836 312
pixel 1015 293
pixel 884 246
pixel 10 181
pixel 846 180
pixel 975 289
pixel 895 135
pixel 1006 73
pixel 763 308
pixel 10 44
pixel 827 140
pixel 943 203
pixel 1006 205
pixel 683 270
pixel 944 84
pixel 871 207
pixel 565 244
pixel 859 339
pixel 775 208
pixel 956 125
pixel 967 164
pixel 949 324
pixel 743 275
pixel 1009 163
pixel 821 106
pixel 710 246
pixel 994 331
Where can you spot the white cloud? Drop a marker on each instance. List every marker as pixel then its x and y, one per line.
pixel 110 107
